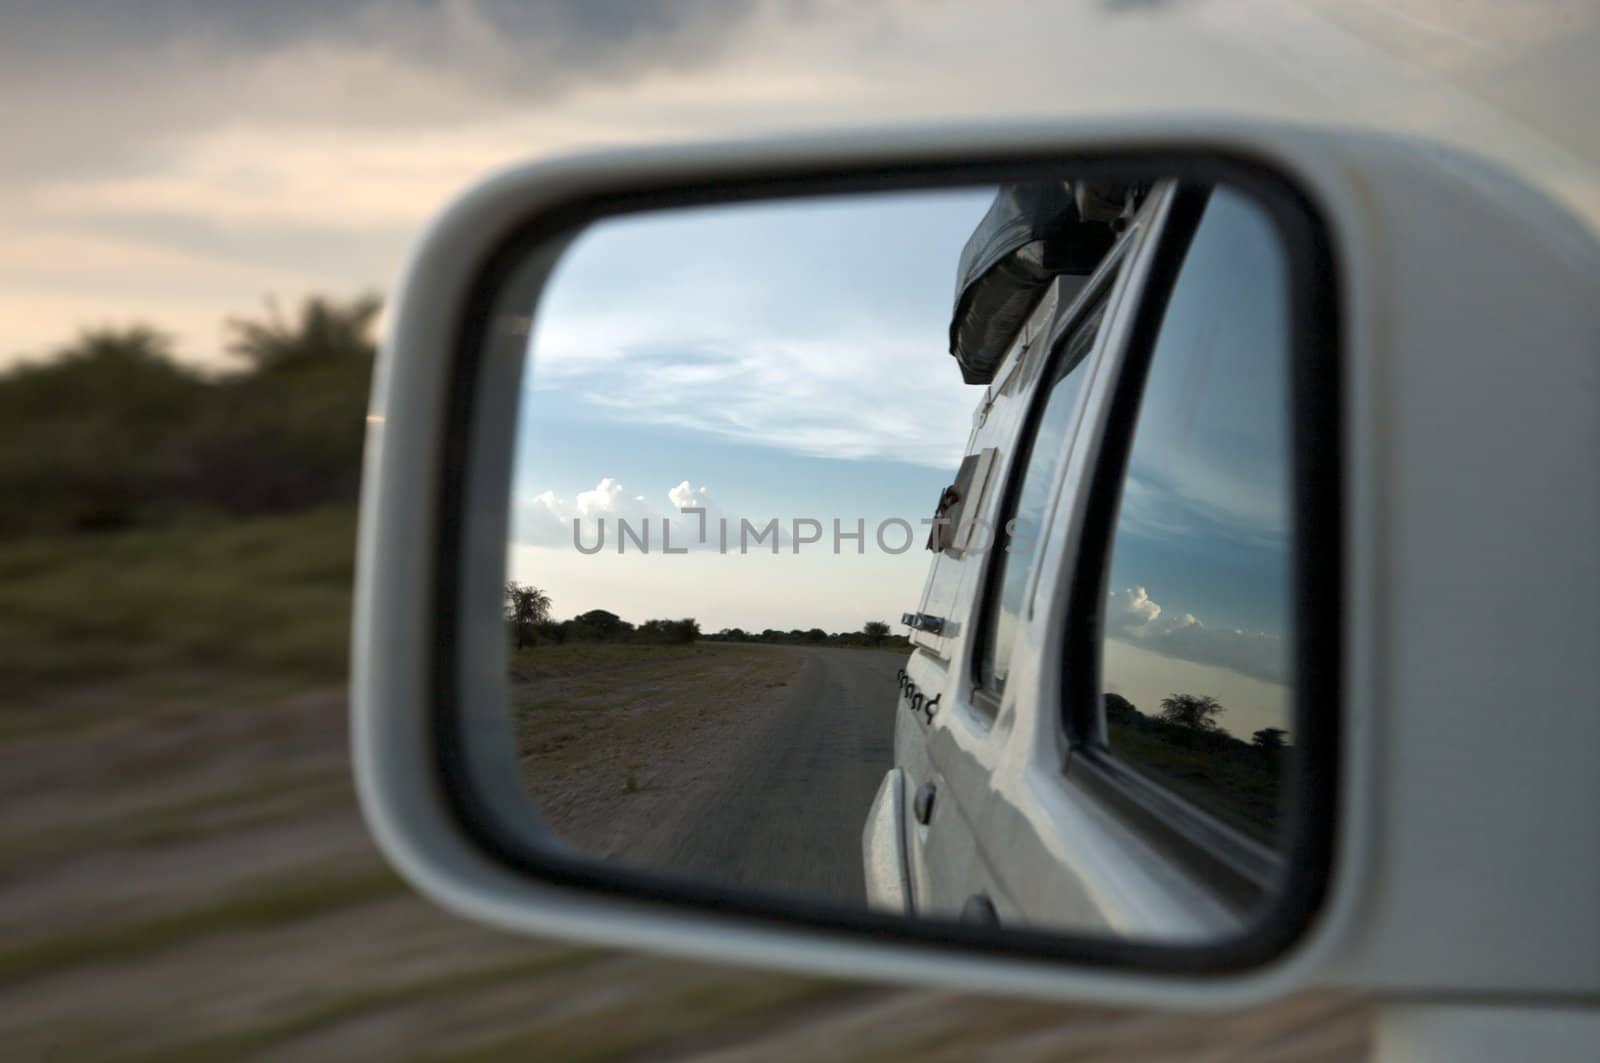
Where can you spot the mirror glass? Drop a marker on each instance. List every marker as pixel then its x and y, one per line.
pixel 798 498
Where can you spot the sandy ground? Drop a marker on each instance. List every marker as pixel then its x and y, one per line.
pixel 613 761
pixel 191 881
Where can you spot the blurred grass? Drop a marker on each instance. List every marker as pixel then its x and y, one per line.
pixel 260 799
pixel 720 1007
pixel 587 658
pixel 267 598
pixel 263 906
pixel 364 1000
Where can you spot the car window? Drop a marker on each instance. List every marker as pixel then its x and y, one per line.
pixel 1017 531
pixel 1196 652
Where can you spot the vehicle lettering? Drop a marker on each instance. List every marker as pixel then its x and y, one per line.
pixel 922 707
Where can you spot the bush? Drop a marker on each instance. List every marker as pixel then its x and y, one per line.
pixel 111 432
pixel 669 632
pixel 98 437
pixel 267 597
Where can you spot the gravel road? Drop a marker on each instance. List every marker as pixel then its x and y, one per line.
pixel 784 812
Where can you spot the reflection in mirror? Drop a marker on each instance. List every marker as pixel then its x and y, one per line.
pixel 780 567
pixel 1196 660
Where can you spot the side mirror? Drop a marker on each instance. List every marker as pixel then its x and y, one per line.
pixel 730 584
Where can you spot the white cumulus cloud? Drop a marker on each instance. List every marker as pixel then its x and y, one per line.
pixel 546 519
pixel 1133 616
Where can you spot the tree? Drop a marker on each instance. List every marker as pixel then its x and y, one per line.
pixel 876 631
pixel 1269 738
pixel 1119 709
pixel 287 434
pixel 526 607
pixel 113 431
pixel 98 435
pixel 677 632
pixel 601 624
pixel 326 330
pixel 1197 712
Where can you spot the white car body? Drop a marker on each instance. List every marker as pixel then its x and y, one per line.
pixel 1008 824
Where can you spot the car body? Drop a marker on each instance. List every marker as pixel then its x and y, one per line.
pixel 996 818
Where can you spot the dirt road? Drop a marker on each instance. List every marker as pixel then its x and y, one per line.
pixel 749 766
pixel 784 813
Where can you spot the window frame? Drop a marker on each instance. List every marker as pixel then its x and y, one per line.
pixel 1096 296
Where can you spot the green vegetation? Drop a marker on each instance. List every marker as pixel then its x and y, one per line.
pixel 527 612
pixel 1270 738
pixel 99 437
pixel 874 634
pixel 1194 712
pixel 269 596
pixel 111 432
pixel 1185 751
pixel 588 660
pixel 155 519
pixel 526 609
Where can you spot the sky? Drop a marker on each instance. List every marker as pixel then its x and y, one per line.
pixel 1200 580
pixel 769 361
pixel 176 162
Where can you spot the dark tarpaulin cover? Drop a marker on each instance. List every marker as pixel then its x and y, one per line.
pixel 1031 234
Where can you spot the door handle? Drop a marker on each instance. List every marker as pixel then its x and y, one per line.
pixel 979 911
pixel 933 625
pixel 922 804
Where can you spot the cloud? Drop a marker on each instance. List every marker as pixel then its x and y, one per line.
pixel 814 327
pixel 117 84
pixel 1133 616
pixel 546 520
pixel 609 499
pixel 878 398
pixel 299 146
pixel 685 497
pixel 1211 496
pixel 1131 608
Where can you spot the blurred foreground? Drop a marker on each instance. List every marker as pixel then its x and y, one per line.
pixel 183 871
pixel 187 878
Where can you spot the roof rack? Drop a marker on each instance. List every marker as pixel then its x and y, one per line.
pixel 1031 234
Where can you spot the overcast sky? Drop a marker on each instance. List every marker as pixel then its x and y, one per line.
pixel 178 161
